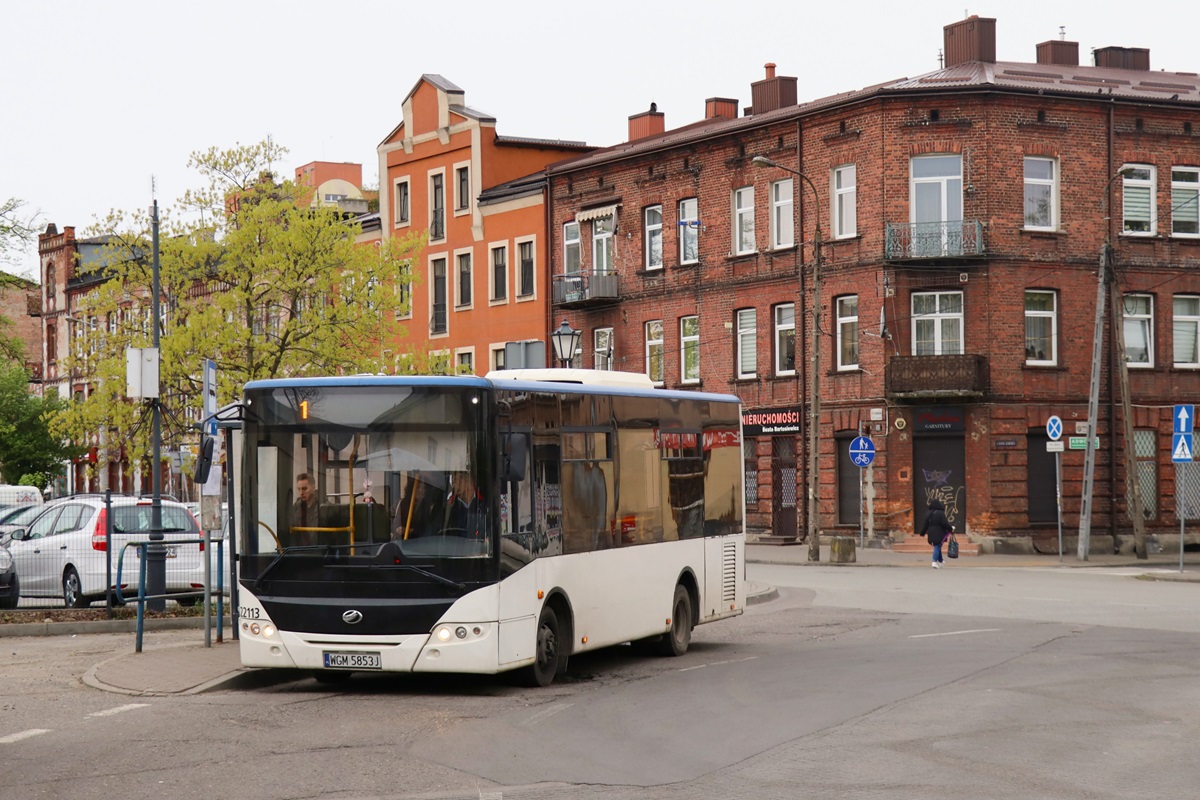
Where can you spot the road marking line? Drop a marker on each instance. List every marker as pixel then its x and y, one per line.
pixel 546 712
pixel 719 663
pixel 953 633
pixel 118 710
pixel 16 737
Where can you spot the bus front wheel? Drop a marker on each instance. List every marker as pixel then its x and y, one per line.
pixel 676 640
pixel 546 661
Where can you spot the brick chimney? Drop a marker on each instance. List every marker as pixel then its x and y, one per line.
pixel 1059 53
pixel 1123 58
pixel 772 92
pixel 971 39
pixel 647 123
pixel 722 107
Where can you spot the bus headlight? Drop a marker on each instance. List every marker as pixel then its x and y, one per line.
pixel 443 634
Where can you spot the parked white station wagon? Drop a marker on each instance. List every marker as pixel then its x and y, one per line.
pixel 63 552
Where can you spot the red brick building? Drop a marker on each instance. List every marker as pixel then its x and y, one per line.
pixel 963 214
pixel 21 305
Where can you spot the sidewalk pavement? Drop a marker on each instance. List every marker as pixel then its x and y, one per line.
pixel 182 668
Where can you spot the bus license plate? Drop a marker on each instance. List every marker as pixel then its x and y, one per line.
pixel 336 660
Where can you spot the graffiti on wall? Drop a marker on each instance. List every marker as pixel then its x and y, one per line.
pixel 938 486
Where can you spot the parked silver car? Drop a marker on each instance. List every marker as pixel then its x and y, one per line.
pixel 63 552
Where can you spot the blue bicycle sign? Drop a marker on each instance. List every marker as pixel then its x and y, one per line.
pixel 862 452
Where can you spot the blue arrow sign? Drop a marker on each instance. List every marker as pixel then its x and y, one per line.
pixel 1054 428
pixel 1184 419
pixel 862 452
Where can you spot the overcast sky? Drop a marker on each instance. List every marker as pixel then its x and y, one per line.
pixel 102 96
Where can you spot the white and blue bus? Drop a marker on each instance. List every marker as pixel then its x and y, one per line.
pixel 481 525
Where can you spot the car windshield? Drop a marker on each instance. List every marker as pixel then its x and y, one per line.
pixel 347 470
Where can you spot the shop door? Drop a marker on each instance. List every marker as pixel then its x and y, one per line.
pixel 939 467
pixel 1043 500
pixel 783 479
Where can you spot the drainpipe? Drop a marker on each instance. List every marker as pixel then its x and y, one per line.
pixel 1112 367
pixel 802 371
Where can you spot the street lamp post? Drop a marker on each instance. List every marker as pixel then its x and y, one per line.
pixel 814 383
pixel 565 340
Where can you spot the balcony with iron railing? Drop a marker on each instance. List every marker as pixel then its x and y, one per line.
pixel 932 241
pixel 437 224
pixel 931 377
pixel 437 319
pixel 581 289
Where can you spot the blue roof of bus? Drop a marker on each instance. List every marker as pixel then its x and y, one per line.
pixel 468 381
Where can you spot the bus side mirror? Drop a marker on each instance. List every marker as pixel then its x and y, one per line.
pixel 204 459
pixel 516 454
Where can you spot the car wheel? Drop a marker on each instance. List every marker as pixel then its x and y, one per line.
pixel 675 641
pixel 15 598
pixel 546 660
pixel 73 590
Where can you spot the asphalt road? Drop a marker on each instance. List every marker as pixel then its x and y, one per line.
pixel 855 683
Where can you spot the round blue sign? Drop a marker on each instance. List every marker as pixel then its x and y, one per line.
pixel 1054 428
pixel 862 452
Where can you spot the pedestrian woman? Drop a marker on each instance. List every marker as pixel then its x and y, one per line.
pixel 936 529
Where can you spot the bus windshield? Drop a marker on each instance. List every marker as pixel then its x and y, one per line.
pixel 371 476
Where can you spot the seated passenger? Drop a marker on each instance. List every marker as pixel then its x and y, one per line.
pixel 421 509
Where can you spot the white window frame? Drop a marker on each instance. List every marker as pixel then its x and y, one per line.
pixel 653 234
pixel 469 252
pixel 655 345
pixel 1037 313
pixel 845 201
pixel 784 328
pixel 847 329
pixel 433 174
pixel 1185 197
pixel 743 221
pixel 689 340
pixel 572 244
pixel 1185 325
pixel 496 355
pixel 603 346
pixel 405 220
pixel 939 317
pixel 746 343
pixel 1137 185
pixel 783 223
pixel 404 292
pixel 689 229
pixel 1038 186
pixel 1142 320
pixel 603 257
pixel 462 205
pixel 433 259
pixel 517 266
pixel 466 354
pixel 491 268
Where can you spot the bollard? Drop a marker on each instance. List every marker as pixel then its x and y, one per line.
pixel 841 550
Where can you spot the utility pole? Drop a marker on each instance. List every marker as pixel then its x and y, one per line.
pixel 1089 459
pixel 1132 484
pixel 814 403
pixel 156 554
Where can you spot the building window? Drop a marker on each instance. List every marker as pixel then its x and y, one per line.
pixel 571 248
pixel 466 363
pixel 602 246
pixel 1145 454
pixel 602 348
pixel 500 273
pixel 1185 330
pixel 937 323
pixel 437 317
pixel 465 279
pixel 1041 194
pixel 497 358
pixel 936 206
pixel 1041 327
pixel 402 217
pixel 51 343
pixel 462 183
pixel 747 343
pixel 1139 330
pixel 743 220
pixel 525 277
pixel 654 350
pixel 1185 201
pixel 437 207
pixel 403 287
pixel 689 231
pixel 785 339
pixel 750 469
pixel 654 237
pixel 845 202
pixel 847 332
pixel 1138 213
pixel 782 222
pixel 689 349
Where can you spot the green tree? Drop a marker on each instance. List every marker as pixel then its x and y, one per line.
pixel 27 445
pixel 249 278
pixel 16 230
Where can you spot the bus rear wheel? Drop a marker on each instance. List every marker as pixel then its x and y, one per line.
pixel 546 660
pixel 675 641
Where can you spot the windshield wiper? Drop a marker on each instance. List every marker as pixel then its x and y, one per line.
pixel 279 557
pixel 462 587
